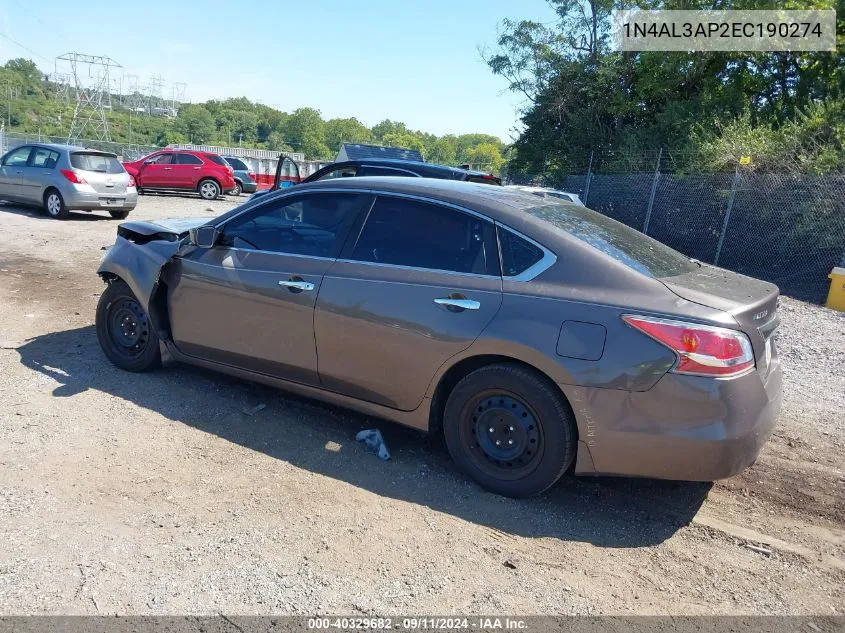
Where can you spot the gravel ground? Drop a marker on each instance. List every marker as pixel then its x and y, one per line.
pixel 157 494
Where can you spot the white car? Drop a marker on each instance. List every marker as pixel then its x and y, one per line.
pixel 545 192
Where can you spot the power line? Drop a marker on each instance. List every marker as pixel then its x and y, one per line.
pixel 28 50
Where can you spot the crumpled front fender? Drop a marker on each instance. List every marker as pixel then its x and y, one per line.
pixel 140 266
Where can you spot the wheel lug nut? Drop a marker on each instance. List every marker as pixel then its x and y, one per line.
pixel 491 429
pixel 510 441
pixel 511 428
pixel 498 442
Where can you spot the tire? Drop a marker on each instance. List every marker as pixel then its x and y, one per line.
pixel 124 330
pixel 529 418
pixel 209 189
pixel 54 205
pixel 236 191
pixel 119 215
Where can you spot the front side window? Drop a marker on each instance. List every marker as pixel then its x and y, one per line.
pixel 405 232
pixel 44 158
pixel 518 254
pixel 313 225
pixel 340 172
pixel 385 171
pixel 17 157
pixel 160 159
pixel 187 159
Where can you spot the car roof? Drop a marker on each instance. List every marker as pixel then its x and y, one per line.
pixel 57 147
pixel 412 165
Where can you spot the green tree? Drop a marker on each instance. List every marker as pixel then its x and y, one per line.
pixel 486 157
pixel 340 131
pixel 305 130
pixel 444 151
pixel 408 140
pixel 195 123
pixel 276 142
pixel 26 68
pixel 380 130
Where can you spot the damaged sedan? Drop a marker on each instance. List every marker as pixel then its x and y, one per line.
pixel 537 336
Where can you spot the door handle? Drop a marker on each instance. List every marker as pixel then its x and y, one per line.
pixel 458 304
pixel 197 168
pixel 297 285
pixel 168 168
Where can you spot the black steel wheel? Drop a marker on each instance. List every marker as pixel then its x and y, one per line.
pixel 124 329
pixel 510 429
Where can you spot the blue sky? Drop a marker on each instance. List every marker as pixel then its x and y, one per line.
pixel 413 61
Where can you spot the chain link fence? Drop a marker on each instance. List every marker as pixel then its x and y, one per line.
pixel 786 227
pixel 124 151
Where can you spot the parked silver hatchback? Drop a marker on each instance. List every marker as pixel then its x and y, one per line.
pixel 59 178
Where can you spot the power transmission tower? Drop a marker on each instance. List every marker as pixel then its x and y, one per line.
pixel 93 95
pixel 178 95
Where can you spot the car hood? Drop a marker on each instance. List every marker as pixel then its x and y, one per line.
pixel 173 226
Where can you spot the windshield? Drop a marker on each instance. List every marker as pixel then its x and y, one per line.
pixel 621 242
pixel 92 161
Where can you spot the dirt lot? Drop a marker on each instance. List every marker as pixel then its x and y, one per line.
pixel 156 493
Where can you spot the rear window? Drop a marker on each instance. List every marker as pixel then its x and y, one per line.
pixel 91 161
pixel 518 255
pixel 214 158
pixel 621 242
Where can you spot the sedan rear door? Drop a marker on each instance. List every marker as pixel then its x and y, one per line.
pixel 248 302
pixel 417 287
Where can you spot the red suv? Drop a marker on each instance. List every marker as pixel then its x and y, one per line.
pixel 203 172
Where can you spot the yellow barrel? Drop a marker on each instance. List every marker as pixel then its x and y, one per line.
pixel 836 294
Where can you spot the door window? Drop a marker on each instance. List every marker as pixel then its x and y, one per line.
pixel 341 172
pixel 160 159
pixel 518 255
pixel 367 170
pixel 17 157
pixel 237 164
pixel 405 232
pixel 43 157
pixel 313 225
pixel 187 159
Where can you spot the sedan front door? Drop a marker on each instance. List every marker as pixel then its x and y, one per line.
pixel 156 171
pixel 419 285
pixel 249 301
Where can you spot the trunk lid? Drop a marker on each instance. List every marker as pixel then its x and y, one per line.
pixel 752 303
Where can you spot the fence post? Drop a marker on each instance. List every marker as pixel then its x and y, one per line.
pixel 727 216
pixel 589 177
pixel 653 191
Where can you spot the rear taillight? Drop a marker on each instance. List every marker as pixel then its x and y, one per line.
pixel 251 175
pixel 703 350
pixel 73 177
pixel 131 182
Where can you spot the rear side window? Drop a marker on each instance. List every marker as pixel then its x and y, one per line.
pixel 518 254
pixel 91 161
pixel 237 164
pixel 385 171
pixel 187 159
pixel 214 158
pixel 341 172
pixel 421 235
pixel 44 158
pixel 621 242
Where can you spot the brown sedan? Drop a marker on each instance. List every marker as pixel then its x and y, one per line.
pixel 536 335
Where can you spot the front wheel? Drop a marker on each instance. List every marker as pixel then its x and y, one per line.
pixel 209 190
pixel 55 206
pixel 124 330
pixel 510 429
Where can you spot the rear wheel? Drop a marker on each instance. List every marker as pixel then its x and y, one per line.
pixel 510 429
pixel 119 215
pixel 124 330
pixel 236 190
pixel 209 190
pixel 54 204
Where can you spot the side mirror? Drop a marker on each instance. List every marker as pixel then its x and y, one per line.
pixel 150 161
pixel 204 236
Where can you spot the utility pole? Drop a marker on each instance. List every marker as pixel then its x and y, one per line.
pixel 93 95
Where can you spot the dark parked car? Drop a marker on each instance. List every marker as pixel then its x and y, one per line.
pixel 535 334
pixel 182 170
pixel 244 178
pixel 377 167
